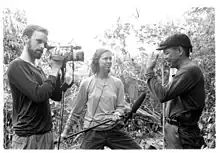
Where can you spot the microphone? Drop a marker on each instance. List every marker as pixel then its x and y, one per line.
pixel 136 105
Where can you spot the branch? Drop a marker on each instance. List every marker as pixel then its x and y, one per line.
pixel 133 76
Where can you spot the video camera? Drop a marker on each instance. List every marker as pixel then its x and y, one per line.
pixel 71 53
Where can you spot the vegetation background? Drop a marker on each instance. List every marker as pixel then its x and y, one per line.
pixel 145 126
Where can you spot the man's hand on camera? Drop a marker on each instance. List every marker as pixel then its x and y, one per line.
pixel 55 63
pixel 59 53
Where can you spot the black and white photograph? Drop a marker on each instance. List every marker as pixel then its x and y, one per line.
pixel 109 75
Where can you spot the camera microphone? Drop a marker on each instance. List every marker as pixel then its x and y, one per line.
pixel 136 105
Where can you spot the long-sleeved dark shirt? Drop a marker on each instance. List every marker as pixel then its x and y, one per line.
pixel 183 94
pixel 31 91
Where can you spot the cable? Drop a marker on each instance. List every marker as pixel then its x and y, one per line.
pixel 97 104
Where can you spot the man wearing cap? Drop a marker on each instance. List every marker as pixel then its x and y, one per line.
pixel 184 96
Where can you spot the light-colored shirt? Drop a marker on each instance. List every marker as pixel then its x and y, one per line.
pixel 103 97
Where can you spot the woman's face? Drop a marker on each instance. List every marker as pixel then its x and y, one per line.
pixel 105 62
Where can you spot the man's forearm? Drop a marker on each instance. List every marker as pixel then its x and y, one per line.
pixel 155 86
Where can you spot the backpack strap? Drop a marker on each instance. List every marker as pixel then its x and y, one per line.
pixel 88 84
pixel 115 84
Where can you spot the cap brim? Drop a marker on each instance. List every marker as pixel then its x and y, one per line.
pixel 161 48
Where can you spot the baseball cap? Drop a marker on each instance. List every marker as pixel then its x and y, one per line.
pixel 174 41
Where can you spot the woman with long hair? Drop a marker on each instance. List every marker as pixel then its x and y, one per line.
pixel 104 96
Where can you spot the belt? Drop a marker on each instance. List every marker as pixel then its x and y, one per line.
pixel 178 123
pixel 172 121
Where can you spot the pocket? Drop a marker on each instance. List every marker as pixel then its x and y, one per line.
pixel 190 138
pixel 19 142
pixel 172 140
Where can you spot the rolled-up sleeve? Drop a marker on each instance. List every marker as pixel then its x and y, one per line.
pixel 19 75
pixel 182 82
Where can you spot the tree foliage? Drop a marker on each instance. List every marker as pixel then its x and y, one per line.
pixel 124 37
pixel 14 22
pixel 199 25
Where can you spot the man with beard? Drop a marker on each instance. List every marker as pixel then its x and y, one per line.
pixel 31 90
pixel 184 96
